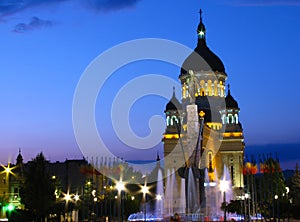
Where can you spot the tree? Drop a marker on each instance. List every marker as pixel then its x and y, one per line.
pixel 295 193
pixel 235 206
pixel 37 191
pixel 268 184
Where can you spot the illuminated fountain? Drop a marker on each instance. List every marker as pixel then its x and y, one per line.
pixel 159 204
pixel 202 195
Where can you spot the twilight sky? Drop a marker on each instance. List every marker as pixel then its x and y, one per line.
pixel 47 44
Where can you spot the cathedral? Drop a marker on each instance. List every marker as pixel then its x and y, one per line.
pixel 203 129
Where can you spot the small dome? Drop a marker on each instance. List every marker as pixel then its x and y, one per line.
pixel 230 101
pixel 173 104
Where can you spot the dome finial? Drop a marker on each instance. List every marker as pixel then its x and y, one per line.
pixel 200 15
pixel 173 91
pixel 201 28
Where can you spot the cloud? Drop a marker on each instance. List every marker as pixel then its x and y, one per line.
pixel 35 23
pixel 10 7
pixel 13 7
pixel 264 2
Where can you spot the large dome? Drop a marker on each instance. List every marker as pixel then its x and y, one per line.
pixel 209 61
pixel 202 58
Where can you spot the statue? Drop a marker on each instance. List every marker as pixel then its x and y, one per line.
pixel 192 86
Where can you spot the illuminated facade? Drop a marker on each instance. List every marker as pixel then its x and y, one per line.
pixel 203 81
pixel 11 180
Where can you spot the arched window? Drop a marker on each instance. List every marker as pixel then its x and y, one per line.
pixel 202 92
pixel 216 88
pixel 209 88
pixel 236 118
pixel 202 88
pixel 174 119
pixel 230 118
pixel 221 89
pixel 223 119
pixel 168 121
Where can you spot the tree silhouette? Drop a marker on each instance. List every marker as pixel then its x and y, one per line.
pixel 295 193
pixel 37 192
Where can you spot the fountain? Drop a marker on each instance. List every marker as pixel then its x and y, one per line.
pixel 159 207
pixel 182 197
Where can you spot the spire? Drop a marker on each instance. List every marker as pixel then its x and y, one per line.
pixel 201 28
pixel 174 91
pixel 228 89
pixel 19 158
pixel 157 157
pixel 200 15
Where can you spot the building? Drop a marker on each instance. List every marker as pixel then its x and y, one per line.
pixel 12 177
pixel 73 178
pixel 203 131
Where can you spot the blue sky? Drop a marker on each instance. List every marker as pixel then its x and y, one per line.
pixel 46 45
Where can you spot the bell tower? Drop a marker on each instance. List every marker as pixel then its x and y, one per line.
pixel 204 104
pixel 173 115
pixel 232 148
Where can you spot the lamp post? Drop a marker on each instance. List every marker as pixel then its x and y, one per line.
pixel 67 198
pixel 120 187
pixel 94 205
pixel 287 198
pixel 76 199
pixel 159 204
pixel 145 190
pixel 243 208
pixel 224 187
pixel 277 206
pixel 290 203
pixel 247 206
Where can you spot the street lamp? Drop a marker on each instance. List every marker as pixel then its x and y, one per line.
pixel 67 197
pixel 247 205
pixel 158 197
pixel 277 205
pixel 8 170
pixel 224 186
pixel 145 190
pixel 76 197
pixel 159 205
pixel 120 187
pixel 287 197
